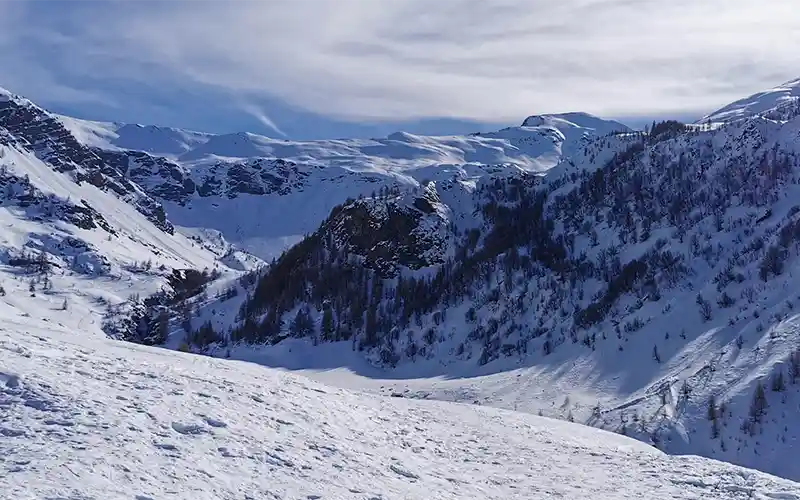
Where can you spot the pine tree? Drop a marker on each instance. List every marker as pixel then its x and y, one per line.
pixel 186 316
pixel 705 307
pixel 794 366
pixel 162 327
pixel 686 390
pixel 712 408
pixel 778 383
pixel 328 327
pixel 758 407
pixel 302 325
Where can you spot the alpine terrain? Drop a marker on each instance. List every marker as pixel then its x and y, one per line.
pixel 452 309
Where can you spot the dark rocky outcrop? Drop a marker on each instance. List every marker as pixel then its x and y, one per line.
pixel 33 129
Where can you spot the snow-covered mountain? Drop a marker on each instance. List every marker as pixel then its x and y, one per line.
pixel 203 178
pixel 647 276
pixel 77 235
pixel 786 96
pixel 91 418
pixel 637 282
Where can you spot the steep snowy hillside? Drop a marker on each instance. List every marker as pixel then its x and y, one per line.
pixel 786 96
pixel 202 179
pixel 69 251
pixel 89 418
pixel 649 275
pixel 30 128
pixel 638 282
pixel 78 237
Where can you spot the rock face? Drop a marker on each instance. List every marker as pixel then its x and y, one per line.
pixel 19 192
pixel 161 177
pixel 170 181
pixel 35 130
pixel 396 232
pixel 259 176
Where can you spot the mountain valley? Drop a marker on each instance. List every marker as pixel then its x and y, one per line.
pixel 636 281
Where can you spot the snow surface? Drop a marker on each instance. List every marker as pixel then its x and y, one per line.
pixel 531 146
pixel 163 141
pixel 577 119
pixel 756 104
pixel 94 418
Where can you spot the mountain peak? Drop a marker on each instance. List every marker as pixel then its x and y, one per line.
pixel 6 96
pixel 575 119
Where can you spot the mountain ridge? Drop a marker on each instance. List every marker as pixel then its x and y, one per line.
pixel 232 168
pixel 786 95
pixel 639 282
pixel 601 255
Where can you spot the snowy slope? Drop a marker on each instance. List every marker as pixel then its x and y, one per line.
pixel 99 250
pixel 99 419
pixel 140 236
pixel 784 95
pixel 604 322
pixel 163 141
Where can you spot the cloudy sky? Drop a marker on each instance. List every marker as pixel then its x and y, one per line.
pixel 335 68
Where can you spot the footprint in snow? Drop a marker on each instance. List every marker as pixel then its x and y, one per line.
pixel 166 446
pixel 40 404
pixel 63 423
pixel 5 431
pixel 10 380
pixel 403 472
pixel 215 423
pixel 188 429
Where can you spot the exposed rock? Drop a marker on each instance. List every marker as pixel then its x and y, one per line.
pixel 35 130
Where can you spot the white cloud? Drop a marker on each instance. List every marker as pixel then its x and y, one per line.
pixel 259 114
pixel 485 60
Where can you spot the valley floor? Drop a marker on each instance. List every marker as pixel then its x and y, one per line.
pixel 85 417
